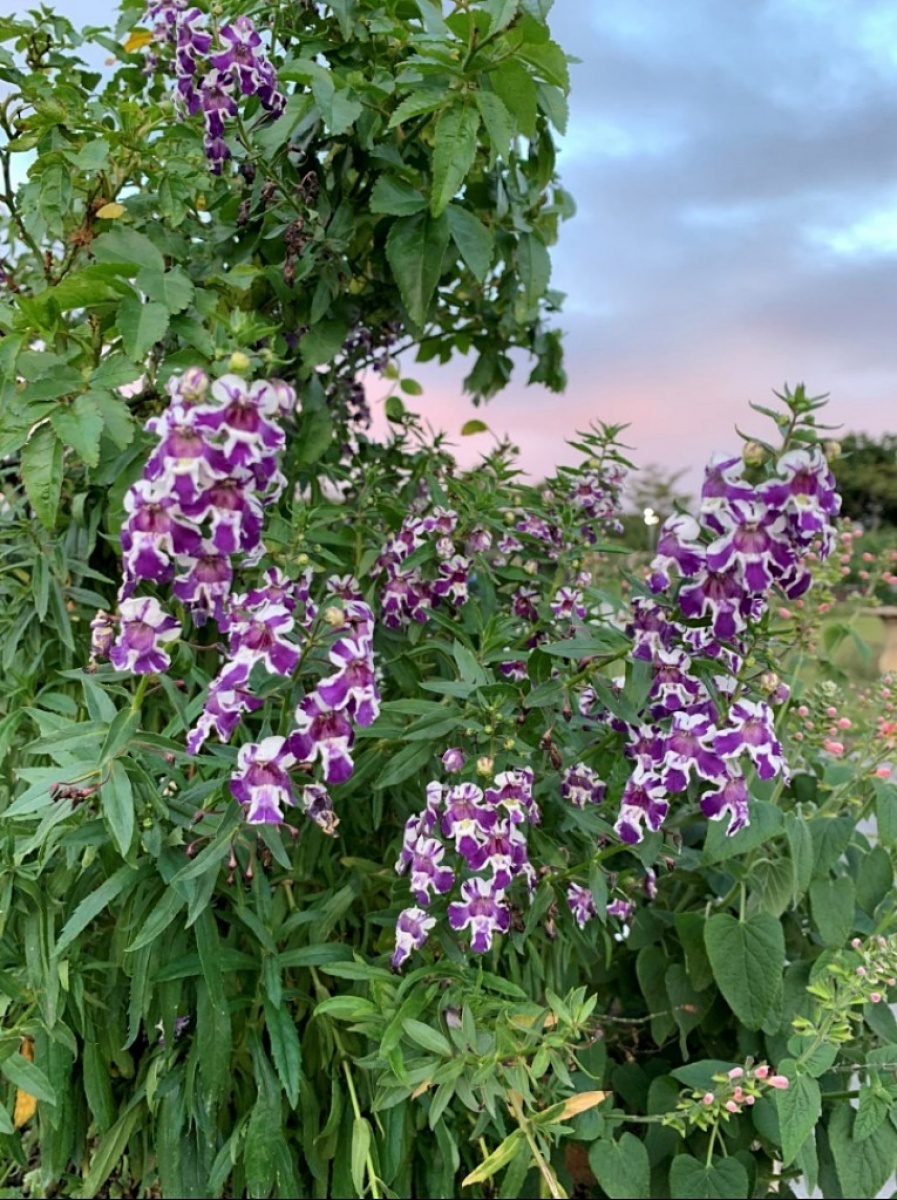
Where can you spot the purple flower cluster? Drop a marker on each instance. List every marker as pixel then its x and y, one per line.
pixel 408 593
pixel 209 77
pixel 595 493
pixel 746 541
pixel 324 720
pixel 487 831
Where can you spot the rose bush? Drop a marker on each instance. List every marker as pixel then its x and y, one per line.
pixel 347 796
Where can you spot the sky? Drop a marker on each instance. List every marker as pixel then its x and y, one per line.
pixel 734 164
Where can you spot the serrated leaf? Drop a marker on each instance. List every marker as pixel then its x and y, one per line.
pixel 799 1107
pixel 396 198
pixel 517 89
pixel 498 122
pixel 534 265
pixel 454 151
pixel 286 1049
pixel 118 423
pixel 863 1166
pixel 117 803
pixel 747 958
pixel 171 288
pixel 832 905
pixel 41 467
pixel 416 105
pixel 414 249
pixel 91 906
pixel 127 246
pixel 872 1112
pixel 80 425
pixel 141 325
pixel 475 242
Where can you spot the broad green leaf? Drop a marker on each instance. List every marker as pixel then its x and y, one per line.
pixel 172 289
pixel 622 1167
pixel 863 1165
pixel 799 1107
pixel 115 371
pixel 97 1083
pixel 315 436
pixel 80 425
pixel 724 1179
pixel 454 150
pixel 549 60
pixel 833 905
pixel 872 1112
pixel 875 879
pixel 414 249
pixel 427 1037
pixel 475 242
pixel 141 325
pixel 800 845
pixel 469 428
pixel 396 197
pixel 117 803
pixel 501 13
pixel 42 473
pixel 517 89
pixel 127 246
pixel 747 958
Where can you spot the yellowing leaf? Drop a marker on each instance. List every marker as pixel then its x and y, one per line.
pixel 565 1109
pixel 137 39
pixel 110 211
pixel 26 1105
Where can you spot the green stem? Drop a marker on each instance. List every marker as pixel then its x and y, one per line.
pixel 551 1180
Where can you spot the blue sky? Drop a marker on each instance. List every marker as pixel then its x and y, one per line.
pixel 734 164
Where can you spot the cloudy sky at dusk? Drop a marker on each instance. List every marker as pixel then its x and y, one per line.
pixel 735 170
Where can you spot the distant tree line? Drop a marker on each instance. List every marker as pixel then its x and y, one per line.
pixel 866 470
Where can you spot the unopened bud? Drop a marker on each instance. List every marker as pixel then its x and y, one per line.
pixel 832 450
pixel 485 765
pixel 334 616
pixel 239 363
pixel 753 454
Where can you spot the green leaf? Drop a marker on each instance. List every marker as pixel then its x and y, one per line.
pixel 396 197
pixel 799 1107
pixel 872 1112
pixel 29 1077
pixel 286 1049
pixel 42 473
pixel 416 105
pixel 91 906
pixel 549 60
pixel 469 428
pixel 109 1151
pixel 172 289
pixel 747 958
pixel 497 120
pixel 454 150
pixel 500 1157
pixel 724 1179
pixel 414 249
pixel 117 803
pixel 475 242
pixel 127 246
pixel 622 1167
pixel 517 89
pixel 534 265
pixel 800 844
pixel 159 919
pixel 264 1135
pixel 361 1146
pixel 80 425
pixel 863 1165
pixel 501 13
pixel 394 409
pixel 215 1038
pixel 699 1075
pixel 427 1037
pixel 833 905
pixel 875 879
pixel 141 325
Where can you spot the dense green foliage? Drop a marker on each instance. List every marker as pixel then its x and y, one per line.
pixel 194 1006
pixel 867 478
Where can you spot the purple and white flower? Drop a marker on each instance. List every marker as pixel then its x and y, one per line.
pixel 482 909
pixel 412 930
pixel 261 781
pixel 145 628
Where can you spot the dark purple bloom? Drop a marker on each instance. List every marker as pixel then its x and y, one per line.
pixel 261 782
pixel 428 873
pixel 318 807
pixel 229 697
pixel 483 910
pixel 581 903
pixel 644 803
pixel 688 747
pixel 412 928
pixel 204 583
pixel 145 628
pixel 504 853
pixel 731 798
pixel 454 759
pixel 581 786
pixel 322 732
pixel 567 604
pixel 258 635
pixel 513 791
pixel 751 731
pixel 467 818
pixel 353 687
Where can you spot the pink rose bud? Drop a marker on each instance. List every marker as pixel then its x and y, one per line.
pixel 736 1072
pixel 803 711
pixel 856 943
pixel 732 1106
pixel 844 722
pixel 761 1072
pixel 749 1100
pixel 833 747
pixel 708 1097
pixel 738 1095
pixel 831 711
pixel 778 1081
pixel 861 971
pixel 784 613
pixel 883 772
pixel 875 997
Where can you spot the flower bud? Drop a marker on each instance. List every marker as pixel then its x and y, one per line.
pixel 832 450
pixel 753 454
pixel 334 617
pixel 485 765
pixel 453 759
pixel 239 363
